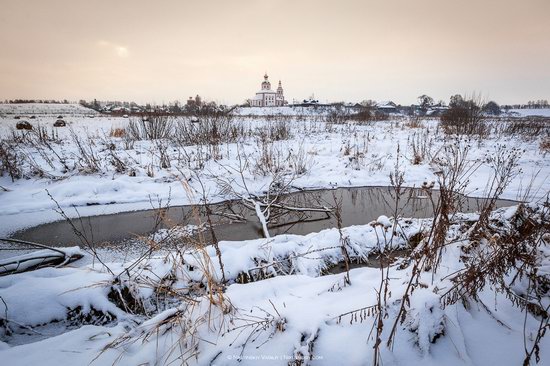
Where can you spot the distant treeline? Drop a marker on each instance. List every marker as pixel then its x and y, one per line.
pixel 536 104
pixel 532 104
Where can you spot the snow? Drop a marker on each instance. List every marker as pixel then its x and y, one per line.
pixel 44 295
pixel 527 112
pixel 176 232
pixel 279 304
pixel 304 314
pixel 45 109
pixel 283 111
pixel 28 260
pixel 384 221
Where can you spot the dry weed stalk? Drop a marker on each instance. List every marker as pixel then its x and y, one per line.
pixel 344 240
pixel 506 255
pixel 9 161
pixel 505 166
pixel 456 168
pixel 200 306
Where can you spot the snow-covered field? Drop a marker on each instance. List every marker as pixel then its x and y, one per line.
pixel 278 304
pixel 343 155
pixel 28 109
pixel 526 112
pixel 283 111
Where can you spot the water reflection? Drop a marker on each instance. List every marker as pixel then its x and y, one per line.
pixel 359 206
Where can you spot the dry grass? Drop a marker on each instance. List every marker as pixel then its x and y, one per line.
pixel 545 145
pixel 414 122
pixel 117 132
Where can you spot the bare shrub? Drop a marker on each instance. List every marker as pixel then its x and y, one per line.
pixel 270 159
pixel 163 155
pixel 464 117
pixel 505 165
pixel 152 127
pixel 528 127
pixel 414 122
pixel 346 148
pixel 212 129
pixel 299 161
pixel 366 115
pixel 87 157
pixel 9 161
pixel 453 177
pixel 338 116
pixel 117 132
pixel 509 264
pixel 119 164
pixel 397 179
pixel 116 161
pixel 45 144
pixel 456 168
pixel 275 130
pixel 188 314
pixel 420 144
pixel 269 208
pixel 128 141
pixel 381 116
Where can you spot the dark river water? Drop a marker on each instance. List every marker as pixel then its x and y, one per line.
pixel 358 206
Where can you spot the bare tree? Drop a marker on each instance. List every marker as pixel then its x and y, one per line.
pixel 464 117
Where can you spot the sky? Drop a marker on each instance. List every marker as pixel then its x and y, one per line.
pixel 344 50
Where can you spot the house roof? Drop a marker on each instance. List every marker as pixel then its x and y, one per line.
pixel 386 104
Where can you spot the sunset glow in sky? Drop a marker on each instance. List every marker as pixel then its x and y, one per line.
pixel 160 51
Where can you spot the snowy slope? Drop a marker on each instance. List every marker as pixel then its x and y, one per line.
pixel 283 111
pixel 45 109
pixel 530 112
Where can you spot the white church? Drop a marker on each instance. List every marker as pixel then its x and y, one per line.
pixel 267 97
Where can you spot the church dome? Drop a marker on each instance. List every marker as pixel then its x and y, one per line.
pixel 266 85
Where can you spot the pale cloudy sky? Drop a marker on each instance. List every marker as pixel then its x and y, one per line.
pixel 350 50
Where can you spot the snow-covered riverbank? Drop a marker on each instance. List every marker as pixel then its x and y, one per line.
pixel 169 308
